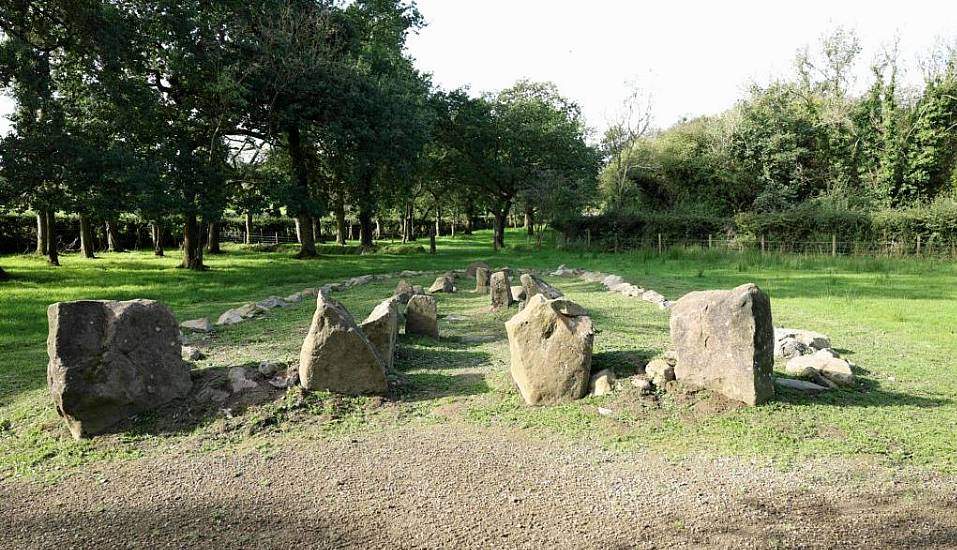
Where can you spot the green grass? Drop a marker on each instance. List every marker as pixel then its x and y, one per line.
pixel 895 318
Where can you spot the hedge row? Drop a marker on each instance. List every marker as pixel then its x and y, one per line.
pixel 935 224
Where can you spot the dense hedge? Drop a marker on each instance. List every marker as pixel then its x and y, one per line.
pixel 809 223
pixel 632 229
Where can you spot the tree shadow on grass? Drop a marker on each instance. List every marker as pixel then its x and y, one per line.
pixel 425 386
pixel 865 393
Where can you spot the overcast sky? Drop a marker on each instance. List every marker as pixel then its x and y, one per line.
pixel 693 57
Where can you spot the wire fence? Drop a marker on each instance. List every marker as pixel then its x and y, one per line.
pixel 832 247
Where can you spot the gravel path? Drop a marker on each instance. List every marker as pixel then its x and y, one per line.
pixel 459 486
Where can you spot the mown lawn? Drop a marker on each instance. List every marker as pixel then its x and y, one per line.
pixel 895 318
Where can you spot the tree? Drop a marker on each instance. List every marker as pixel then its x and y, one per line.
pixel 632 122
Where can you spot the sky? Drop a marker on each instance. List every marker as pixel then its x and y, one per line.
pixel 690 57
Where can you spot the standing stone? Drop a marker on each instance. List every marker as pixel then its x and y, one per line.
pixel 422 316
pixel 533 284
pixel 473 267
pixel 550 343
pixel 501 290
pixel 403 291
pixel 337 356
pixel 381 327
pixel 442 284
pixel 481 280
pixel 724 340
pixel 111 360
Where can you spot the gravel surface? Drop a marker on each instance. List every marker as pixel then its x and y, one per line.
pixel 460 486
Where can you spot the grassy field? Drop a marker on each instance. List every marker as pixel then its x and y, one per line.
pixel 895 318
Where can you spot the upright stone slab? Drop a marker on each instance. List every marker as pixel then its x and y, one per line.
pixel 381 327
pixel 110 360
pixel 422 316
pixel 501 290
pixel 533 284
pixel 404 291
pixel 724 340
pixel 482 280
pixel 550 343
pixel 473 267
pixel 337 356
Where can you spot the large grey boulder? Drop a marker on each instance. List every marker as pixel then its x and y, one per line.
pixel 111 360
pixel 550 343
pixel 422 316
pixel 337 356
pixel 501 290
pixel 482 277
pixel 381 327
pixel 724 340
pixel 533 284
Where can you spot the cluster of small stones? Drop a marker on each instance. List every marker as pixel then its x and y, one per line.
pixel 617 284
pixel 811 359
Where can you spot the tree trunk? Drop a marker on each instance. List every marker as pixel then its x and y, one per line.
pixel 501 218
pixel 378 229
pixel 317 230
pixel 411 214
pixel 340 220
pixel 366 228
pixel 469 223
pixel 432 241
pixel 248 239
pixel 298 231
pixel 438 221
pixel 157 233
pixel 192 244
pixel 112 239
pixel 212 240
pixel 297 155
pixel 51 250
pixel 349 226
pixel 42 232
pixel 530 220
pixel 307 239
pixel 86 237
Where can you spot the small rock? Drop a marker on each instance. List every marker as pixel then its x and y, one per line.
pixel 660 372
pixel 268 369
pixel 790 347
pixel 421 316
pixel 473 268
pixel 249 310
pixel 442 284
pixel 809 338
pixel 229 318
pixel 642 384
pixel 192 354
pixel 604 412
pixel 602 382
pixel 271 303
pixel 612 280
pixel 197 325
pixel 211 395
pixel 823 362
pixel 310 292
pixel 238 380
pixel 294 298
pixel 652 297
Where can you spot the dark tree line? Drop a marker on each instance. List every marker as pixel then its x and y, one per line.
pixel 180 112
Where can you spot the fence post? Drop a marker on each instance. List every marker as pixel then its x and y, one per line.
pixel 659 243
pixel 833 245
pixel 277 237
pixel 918 244
pixel 762 244
pixel 709 241
pixel 588 238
